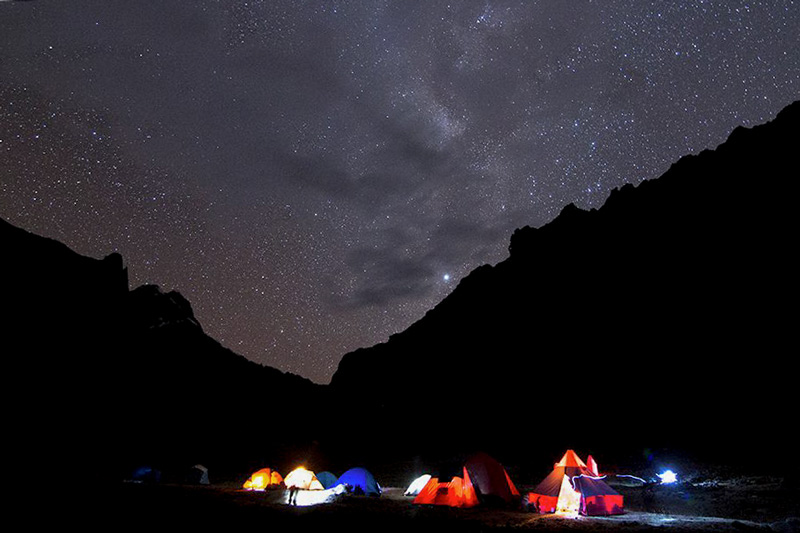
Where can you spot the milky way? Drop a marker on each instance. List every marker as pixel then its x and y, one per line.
pixel 314 176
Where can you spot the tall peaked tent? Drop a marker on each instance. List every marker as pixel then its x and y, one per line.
pixel 459 492
pixel 490 479
pixel 572 487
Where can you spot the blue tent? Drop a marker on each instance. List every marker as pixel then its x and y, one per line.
pixel 327 479
pixel 360 480
pixel 146 474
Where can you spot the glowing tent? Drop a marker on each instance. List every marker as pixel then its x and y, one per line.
pixel 490 479
pixel 263 479
pixel 360 480
pixel 459 492
pixel 302 479
pixel 417 485
pixel 572 488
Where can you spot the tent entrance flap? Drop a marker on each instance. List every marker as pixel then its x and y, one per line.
pixel 569 500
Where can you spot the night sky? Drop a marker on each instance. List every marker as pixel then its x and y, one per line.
pixel 315 176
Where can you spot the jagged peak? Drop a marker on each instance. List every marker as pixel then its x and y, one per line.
pixel 156 308
pixel 772 133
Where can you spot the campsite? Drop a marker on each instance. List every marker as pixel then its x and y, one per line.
pixel 705 498
pixel 179 424
pixel 653 399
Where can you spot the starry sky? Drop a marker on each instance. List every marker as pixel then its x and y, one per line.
pixel 314 176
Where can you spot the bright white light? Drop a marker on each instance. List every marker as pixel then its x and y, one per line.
pixel 569 499
pixel 306 498
pixel 446 277
pixel 668 477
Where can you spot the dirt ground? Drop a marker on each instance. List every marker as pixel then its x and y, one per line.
pixel 705 503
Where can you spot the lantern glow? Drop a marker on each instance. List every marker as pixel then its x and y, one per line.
pixel 668 476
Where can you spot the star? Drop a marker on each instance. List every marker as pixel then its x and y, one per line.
pixel 335 157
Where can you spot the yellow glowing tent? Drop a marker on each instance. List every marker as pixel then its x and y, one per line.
pixel 263 479
pixel 302 479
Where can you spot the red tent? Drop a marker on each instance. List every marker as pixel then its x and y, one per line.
pixel 457 493
pixel 490 479
pixel 572 487
pixel 591 464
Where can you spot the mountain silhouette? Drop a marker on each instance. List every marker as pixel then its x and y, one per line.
pixel 661 319
pixel 112 378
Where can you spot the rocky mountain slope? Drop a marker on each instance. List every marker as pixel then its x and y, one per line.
pixel 663 318
pixel 111 377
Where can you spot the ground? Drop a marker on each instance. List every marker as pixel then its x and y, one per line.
pixel 703 503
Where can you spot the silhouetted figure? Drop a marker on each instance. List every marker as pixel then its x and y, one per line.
pixel 293 495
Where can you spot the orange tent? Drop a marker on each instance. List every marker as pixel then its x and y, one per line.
pixel 573 488
pixel 459 492
pixel 263 479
